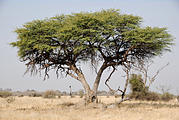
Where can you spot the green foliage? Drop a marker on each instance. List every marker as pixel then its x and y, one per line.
pixel 105 35
pixel 137 84
pixel 139 90
pixel 5 94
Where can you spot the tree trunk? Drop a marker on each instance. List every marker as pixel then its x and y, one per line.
pixel 97 80
pixel 91 95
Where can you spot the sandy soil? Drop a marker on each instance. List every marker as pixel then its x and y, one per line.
pixel 66 108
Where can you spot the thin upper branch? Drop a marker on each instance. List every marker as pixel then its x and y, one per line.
pixel 158 71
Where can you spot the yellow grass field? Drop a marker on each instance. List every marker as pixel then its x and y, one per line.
pixel 66 108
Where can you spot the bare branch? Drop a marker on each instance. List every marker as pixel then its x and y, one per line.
pixel 158 71
pixel 122 100
pixel 107 80
pixel 123 93
pixel 46 73
pixel 144 68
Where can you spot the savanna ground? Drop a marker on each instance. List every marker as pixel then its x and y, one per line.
pixel 67 108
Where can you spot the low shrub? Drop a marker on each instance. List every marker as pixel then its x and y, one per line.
pixel 145 95
pixel 140 91
pixel 5 94
pixel 20 95
pixel 167 96
pixel 152 96
pixel 34 94
pixel 49 94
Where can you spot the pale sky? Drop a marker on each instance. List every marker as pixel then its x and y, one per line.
pixel 14 13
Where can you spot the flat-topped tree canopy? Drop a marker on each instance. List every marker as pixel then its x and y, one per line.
pixel 63 41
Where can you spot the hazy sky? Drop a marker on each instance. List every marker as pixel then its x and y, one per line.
pixel 14 13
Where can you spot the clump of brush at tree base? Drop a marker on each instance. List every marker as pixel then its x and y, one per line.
pixel 139 90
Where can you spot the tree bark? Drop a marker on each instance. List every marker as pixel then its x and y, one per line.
pixel 98 78
pixel 90 96
pixel 127 82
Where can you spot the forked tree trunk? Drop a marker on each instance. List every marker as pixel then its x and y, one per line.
pixel 91 94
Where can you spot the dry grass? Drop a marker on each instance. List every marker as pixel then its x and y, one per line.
pixel 67 108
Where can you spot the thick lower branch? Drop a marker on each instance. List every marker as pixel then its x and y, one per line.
pixel 73 76
pixel 80 77
pixel 107 80
pixel 98 77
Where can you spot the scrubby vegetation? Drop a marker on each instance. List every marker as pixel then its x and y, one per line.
pixel 5 94
pixel 167 96
pixel 140 91
pixel 49 94
pixel 65 108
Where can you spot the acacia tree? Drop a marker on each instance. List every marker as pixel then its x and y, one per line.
pixel 63 41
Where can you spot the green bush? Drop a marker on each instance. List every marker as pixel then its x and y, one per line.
pixel 136 83
pixel 5 94
pixel 167 96
pixel 140 91
pixel 49 94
